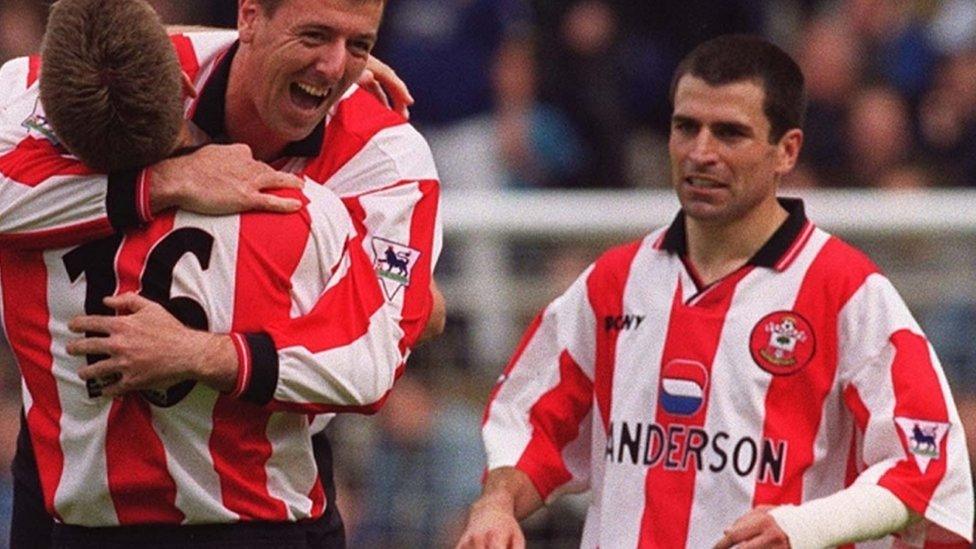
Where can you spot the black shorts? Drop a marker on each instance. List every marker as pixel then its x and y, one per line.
pixel 32 528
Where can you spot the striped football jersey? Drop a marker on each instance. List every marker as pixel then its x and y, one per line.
pixel 681 406
pixel 300 298
pixel 370 156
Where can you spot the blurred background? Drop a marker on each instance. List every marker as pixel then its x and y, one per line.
pixel 548 120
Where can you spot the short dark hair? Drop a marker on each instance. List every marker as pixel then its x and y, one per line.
pixel 736 57
pixel 111 83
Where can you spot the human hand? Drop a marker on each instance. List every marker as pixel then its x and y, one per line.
pixel 491 525
pixel 382 81
pixel 754 530
pixel 148 348
pixel 220 180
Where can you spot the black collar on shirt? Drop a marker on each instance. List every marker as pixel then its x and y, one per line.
pixel 211 111
pixel 676 240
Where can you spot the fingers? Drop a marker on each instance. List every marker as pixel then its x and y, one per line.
pixel 90 346
pixel 368 82
pixel 93 323
pixel 275 204
pixel 106 369
pixel 129 302
pixel 393 86
pixel 278 180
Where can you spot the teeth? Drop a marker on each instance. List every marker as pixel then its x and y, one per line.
pixel 313 90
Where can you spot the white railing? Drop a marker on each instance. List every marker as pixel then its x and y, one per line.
pixel 636 211
pixel 479 224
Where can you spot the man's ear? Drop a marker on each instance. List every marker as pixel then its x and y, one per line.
pixel 248 13
pixel 789 150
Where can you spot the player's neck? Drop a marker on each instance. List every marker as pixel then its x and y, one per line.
pixel 720 248
pixel 243 123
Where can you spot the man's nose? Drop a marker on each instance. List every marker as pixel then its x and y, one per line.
pixel 331 60
pixel 703 148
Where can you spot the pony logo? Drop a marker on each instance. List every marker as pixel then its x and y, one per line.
pixel 923 439
pixel 393 262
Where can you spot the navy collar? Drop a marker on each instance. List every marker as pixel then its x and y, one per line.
pixel 210 114
pixel 676 238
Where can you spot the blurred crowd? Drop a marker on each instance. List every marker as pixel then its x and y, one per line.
pixel 574 94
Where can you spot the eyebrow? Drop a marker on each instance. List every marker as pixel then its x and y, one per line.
pixel 724 126
pixel 316 27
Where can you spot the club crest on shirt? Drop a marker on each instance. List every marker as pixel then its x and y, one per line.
pixel 782 342
pixel 37 122
pixel 683 386
pixel 393 262
pixel 924 439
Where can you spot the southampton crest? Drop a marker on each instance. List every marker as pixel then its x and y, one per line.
pixel 782 342
pixel 393 262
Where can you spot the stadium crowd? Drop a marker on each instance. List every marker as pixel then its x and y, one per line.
pixel 573 94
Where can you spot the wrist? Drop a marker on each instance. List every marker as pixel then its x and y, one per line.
pixel 216 365
pixel 166 188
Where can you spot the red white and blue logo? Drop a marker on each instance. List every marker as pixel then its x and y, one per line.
pixel 683 387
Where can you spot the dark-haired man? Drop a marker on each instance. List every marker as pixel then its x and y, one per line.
pixel 740 378
pixel 285 90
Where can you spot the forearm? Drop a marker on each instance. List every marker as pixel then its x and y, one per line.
pixel 869 512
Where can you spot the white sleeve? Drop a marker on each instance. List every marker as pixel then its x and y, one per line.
pixel 539 415
pixel 911 438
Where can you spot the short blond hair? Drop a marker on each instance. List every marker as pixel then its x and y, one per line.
pixel 111 83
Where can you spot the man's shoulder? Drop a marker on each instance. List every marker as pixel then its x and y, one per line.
pixel 368 146
pixel 199 48
pixel 841 259
pixel 14 75
pixel 614 265
pixel 359 113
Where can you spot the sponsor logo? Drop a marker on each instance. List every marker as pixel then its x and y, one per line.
pixel 393 262
pixel 924 439
pixel 37 122
pixel 679 447
pixel 683 386
pixel 782 343
pixel 622 322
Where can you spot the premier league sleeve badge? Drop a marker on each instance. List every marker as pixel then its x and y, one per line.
pixel 393 262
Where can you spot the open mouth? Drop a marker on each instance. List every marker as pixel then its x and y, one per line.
pixel 308 97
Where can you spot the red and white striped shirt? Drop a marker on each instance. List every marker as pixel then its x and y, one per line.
pixel 682 406
pixel 370 156
pixel 383 172
pixel 300 298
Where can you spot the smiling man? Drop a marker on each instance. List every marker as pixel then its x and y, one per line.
pixel 284 86
pixel 775 393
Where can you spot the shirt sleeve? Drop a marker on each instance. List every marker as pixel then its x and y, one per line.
pixel 391 190
pixel 539 416
pixel 48 198
pixel 337 351
pixel 911 438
